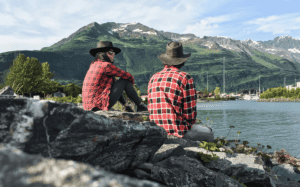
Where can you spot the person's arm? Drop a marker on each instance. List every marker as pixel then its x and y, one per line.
pixel 190 102
pixel 112 70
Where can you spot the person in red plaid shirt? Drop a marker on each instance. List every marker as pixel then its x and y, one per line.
pixel 172 97
pixel 100 91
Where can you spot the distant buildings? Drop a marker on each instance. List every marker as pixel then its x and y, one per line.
pixel 289 87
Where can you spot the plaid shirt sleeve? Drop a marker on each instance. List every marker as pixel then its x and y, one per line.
pixel 112 70
pixel 190 101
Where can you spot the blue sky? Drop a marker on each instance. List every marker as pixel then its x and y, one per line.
pixel 34 24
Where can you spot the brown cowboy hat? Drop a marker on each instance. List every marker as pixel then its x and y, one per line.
pixel 174 54
pixel 104 46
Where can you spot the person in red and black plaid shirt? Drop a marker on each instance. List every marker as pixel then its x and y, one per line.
pixel 100 91
pixel 172 97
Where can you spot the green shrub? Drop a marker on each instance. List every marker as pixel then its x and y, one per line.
pixel 207 158
pixel 209 146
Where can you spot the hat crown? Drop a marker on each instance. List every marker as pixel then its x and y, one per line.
pixel 104 44
pixel 174 54
pixel 174 49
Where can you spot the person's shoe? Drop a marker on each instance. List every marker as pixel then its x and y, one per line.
pixel 142 108
pixel 128 109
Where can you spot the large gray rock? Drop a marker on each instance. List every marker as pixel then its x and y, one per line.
pixel 251 169
pixel 59 94
pixel 58 130
pixel 7 90
pixel 19 169
pixel 124 143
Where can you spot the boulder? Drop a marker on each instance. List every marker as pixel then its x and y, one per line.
pixel 7 90
pixel 60 130
pixel 20 169
pixel 59 94
pixel 251 170
pixel 121 143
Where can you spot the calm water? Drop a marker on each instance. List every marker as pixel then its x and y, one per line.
pixel 269 123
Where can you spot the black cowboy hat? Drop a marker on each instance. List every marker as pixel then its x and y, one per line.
pixel 174 54
pixel 104 46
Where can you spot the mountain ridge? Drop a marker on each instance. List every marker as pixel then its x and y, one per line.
pixel 141 45
pixel 278 46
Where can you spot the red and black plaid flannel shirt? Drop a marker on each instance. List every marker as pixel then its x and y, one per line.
pixel 97 84
pixel 172 100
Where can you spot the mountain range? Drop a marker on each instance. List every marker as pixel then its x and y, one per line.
pixel 140 46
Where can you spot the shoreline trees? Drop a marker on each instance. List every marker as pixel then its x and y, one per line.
pixel 281 92
pixel 28 75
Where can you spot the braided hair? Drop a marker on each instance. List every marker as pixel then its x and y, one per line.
pixel 101 56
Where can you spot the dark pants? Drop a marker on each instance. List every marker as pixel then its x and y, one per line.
pixel 116 93
pixel 200 133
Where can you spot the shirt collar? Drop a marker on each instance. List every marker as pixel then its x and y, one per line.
pixel 171 67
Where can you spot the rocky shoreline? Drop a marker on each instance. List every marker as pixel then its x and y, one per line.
pixel 278 100
pixel 259 100
pixel 116 147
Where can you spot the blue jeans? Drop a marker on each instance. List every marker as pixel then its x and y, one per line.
pixel 200 133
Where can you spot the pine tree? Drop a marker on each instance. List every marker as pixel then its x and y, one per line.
pixel 205 91
pixel 32 75
pixel 72 90
pixel 297 91
pixel 45 83
pixel 292 93
pixel 15 77
pixel 4 68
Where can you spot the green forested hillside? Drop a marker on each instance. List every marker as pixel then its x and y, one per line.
pixel 70 61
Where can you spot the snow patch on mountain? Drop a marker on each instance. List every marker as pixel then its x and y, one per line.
pixel 294 50
pixel 125 25
pixel 222 37
pixel 208 44
pixel 137 30
pixel 250 41
pixel 184 38
pixel 151 33
pixel 271 49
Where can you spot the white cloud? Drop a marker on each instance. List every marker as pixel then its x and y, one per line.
pixel 32 31
pixel 280 31
pixel 265 20
pixel 49 22
pixel 10 43
pixel 276 24
pixel 7 20
pixel 75 6
pixel 207 26
pixel 6 6
pixel 22 15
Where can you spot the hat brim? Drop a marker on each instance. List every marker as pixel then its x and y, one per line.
pixel 173 60
pixel 94 51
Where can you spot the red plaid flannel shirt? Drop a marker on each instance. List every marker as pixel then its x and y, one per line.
pixel 172 101
pixel 97 84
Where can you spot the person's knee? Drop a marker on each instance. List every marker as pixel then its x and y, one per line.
pixel 123 81
pixel 200 133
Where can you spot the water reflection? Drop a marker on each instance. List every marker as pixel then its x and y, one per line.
pixel 268 123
